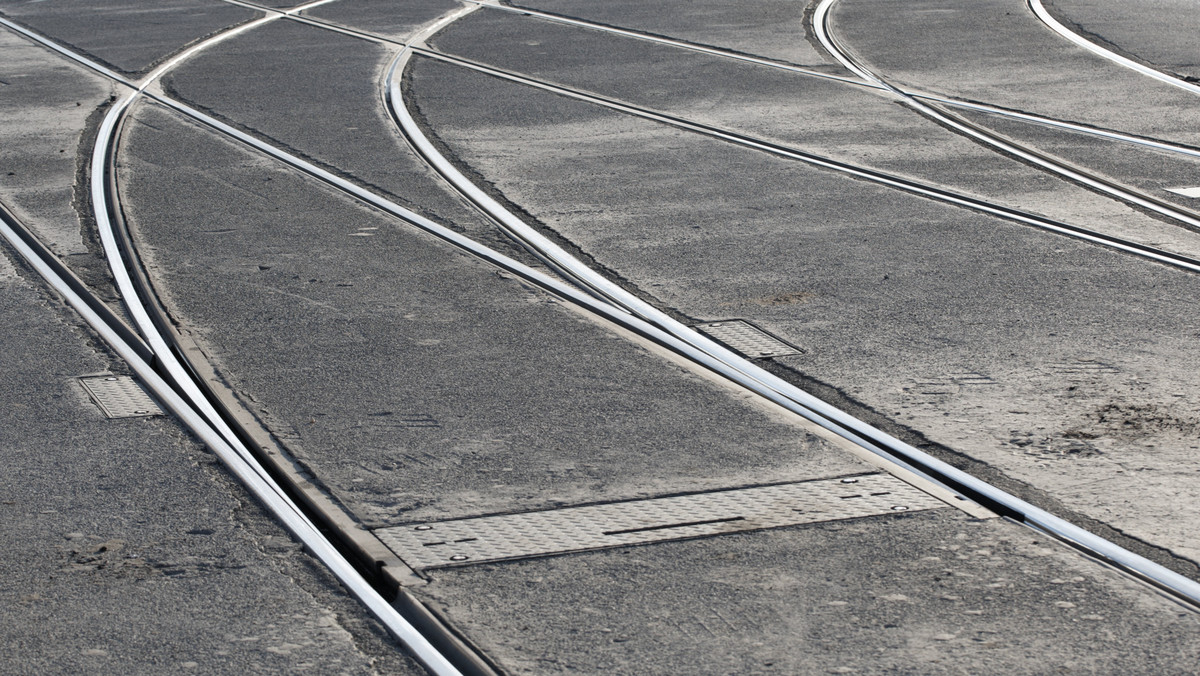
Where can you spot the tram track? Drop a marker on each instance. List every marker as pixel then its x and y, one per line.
pixel 1044 15
pixel 627 311
pixel 975 106
pixel 160 360
pixel 1066 125
pixel 781 391
pixel 1162 208
pixel 1049 163
pixel 923 103
pixel 252 474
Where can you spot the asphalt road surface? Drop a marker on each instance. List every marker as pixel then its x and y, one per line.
pixel 565 336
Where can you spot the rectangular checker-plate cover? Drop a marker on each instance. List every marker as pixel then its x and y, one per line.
pixel 748 339
pixel 492 538
pixel 120 397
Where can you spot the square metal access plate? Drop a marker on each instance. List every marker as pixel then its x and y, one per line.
pixel 120 397
pixel 744 337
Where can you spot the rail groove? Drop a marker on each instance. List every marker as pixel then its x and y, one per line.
pixel 1055 25
pixel 160 363
pixel 655 325
pixel 1108 134
pixel 983 135
pixel 637 316
pixel 787 395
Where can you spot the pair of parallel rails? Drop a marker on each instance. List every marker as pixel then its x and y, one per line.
pixel 156 354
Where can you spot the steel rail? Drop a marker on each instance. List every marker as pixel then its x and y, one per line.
pixel 793 398
pixel 177 389
pixel 247 471
pixel 1055 25
pixel 739 370
pixel 907 185
pixel 1107 134
pixel 1044 160
pixel 559 288
pixel 910 97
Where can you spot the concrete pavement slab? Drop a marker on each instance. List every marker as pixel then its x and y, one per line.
pixel 1063 364
pixel 130 36
pixel 128 548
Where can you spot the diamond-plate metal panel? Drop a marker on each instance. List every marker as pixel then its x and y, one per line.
pixel 491 538
pixel 120 397
pixel 748 339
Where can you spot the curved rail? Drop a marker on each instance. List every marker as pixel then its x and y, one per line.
pixel 177 389
pixel 907 185
pixel 716 358
pixel 784 393
pixel 250 473
pixel 915 187
pixel 983 135
pixel 1055 25
pixel 1107 134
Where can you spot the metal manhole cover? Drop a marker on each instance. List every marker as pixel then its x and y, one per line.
pixel 120 397
pixel 510 536
pixel 744 337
